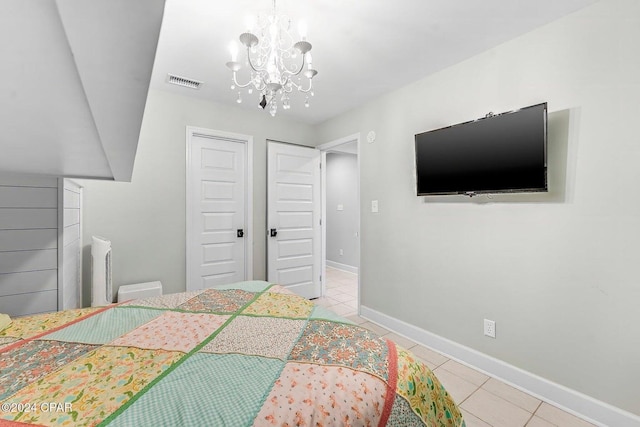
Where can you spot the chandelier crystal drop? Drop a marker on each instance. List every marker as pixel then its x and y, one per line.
pixel 277 64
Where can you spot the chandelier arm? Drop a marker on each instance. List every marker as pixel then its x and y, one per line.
pixel 241 86
pixel 299 69
pixel 301 89
pixel 262 86
pixel 251 63
pixel 285 87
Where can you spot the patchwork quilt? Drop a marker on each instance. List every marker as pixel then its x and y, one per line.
pixel 247 354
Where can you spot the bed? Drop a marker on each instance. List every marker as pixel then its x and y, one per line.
pixel 251 353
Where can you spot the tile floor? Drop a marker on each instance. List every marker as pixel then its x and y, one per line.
pixel 484 401
pixel 342 292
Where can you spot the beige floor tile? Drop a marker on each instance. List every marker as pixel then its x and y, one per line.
pixel 351 292
pixel 559 417
pixel 341 309
pixel 323 301
pixel 339 274
pixel 352 305
pixel 341 297
pixel 375 328
pixel 342 292
pixel 494 410
pixel 400 340
pixel 357 319
pixel 433 357
pixel 332 301
pixel 333 292
pixel 458 388
pixel 539 422
pixel 464 372
pixel 510 394
pixel 472 421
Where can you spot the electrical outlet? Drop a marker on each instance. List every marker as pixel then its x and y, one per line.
pixel 374 206
pixel 490 328
pixel 341 252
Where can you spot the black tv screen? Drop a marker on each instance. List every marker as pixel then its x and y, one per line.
pixel 500 153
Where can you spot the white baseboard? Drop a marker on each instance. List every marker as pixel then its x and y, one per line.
pixel 572 401
pixel 343 267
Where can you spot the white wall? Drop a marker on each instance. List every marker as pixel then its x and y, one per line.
pixel 145 219
pixel 557 272
pixel 342 225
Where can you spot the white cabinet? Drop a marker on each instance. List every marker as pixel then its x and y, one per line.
pixel 40 244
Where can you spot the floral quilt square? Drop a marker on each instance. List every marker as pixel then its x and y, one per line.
pixel 309 395
pixel 33 360
pixel 424 393
pixel 95 385
pixel 5 341
pixel 163 301
pixel 279 289
pixel 402 415
pixel 218 301
pixel 260 336
pixel 280 305
pixel 30 326
pixel 173 331
pixel 330 343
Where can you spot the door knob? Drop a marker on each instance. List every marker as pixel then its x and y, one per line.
pixel 273 232
pixel 240 232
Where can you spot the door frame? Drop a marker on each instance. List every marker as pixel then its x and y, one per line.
pixel 247 140
pixel 324 148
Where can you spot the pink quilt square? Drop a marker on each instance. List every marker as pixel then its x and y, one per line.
pixel 173 331
pixel 311 395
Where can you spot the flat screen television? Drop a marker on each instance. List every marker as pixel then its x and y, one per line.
pixel 497 154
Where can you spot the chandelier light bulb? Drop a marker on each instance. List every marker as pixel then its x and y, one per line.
pixel 249 22
pixel 302 30
pixel 239 100
pixel 233 49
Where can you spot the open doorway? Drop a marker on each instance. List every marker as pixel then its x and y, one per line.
pixel 341 225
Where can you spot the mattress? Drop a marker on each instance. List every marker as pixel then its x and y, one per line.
pixel 251 353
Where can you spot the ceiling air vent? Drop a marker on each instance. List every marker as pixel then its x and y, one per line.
pixel 183 81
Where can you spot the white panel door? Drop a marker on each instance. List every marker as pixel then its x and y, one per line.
pixel 217 178
pixel 293 218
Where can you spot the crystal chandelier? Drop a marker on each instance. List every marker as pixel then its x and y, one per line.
pixel 276 63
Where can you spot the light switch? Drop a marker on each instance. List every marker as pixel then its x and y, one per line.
pixel 340 207
pixel 374 206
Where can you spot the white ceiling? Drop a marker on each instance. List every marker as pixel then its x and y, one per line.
pixel 361 49
pixel 74 74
